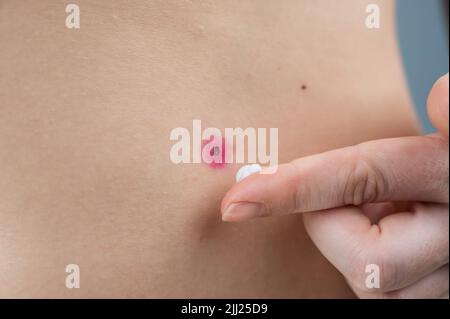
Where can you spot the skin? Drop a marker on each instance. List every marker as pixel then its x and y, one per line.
pixel 354 191
pixel 85 118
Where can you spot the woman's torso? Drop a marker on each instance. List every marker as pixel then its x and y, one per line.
pixel 85 117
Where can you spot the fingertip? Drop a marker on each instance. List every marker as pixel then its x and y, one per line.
pixel 244 190
pixel 259 190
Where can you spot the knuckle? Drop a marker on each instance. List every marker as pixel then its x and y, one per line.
pixel 361 272
pixel 390 276
pixel 437 168
pixel 357 275
pixel 364 182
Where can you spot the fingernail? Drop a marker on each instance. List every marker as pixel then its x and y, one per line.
pixel 242 211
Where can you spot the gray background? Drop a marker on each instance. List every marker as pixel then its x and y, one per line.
pixel 423 35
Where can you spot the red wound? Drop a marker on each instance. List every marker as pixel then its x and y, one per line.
pixel 214 152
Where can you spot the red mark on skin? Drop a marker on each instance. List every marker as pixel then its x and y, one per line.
pixel 214 152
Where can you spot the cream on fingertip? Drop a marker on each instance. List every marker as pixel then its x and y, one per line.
pixel 246 171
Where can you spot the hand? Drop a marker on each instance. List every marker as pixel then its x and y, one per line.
pixel 382 202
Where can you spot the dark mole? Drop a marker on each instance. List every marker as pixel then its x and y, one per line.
pixel 304 87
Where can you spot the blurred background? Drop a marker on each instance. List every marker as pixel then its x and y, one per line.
pixel 423 34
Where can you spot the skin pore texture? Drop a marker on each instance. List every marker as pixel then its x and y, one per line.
pixel 85 119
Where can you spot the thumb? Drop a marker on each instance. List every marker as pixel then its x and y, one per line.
pixel 399 169
pixel 438 105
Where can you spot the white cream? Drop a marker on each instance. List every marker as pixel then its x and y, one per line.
pixel 246 171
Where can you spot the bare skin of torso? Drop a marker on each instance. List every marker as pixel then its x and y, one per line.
pixel 85 118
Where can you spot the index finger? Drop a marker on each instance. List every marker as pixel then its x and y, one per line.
pixel 399 169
